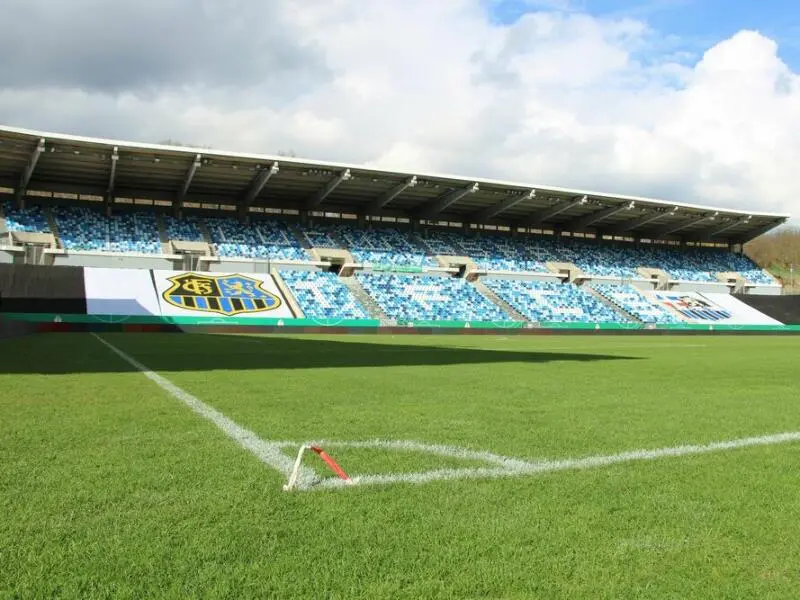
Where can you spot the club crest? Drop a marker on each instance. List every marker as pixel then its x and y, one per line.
pixel 227 295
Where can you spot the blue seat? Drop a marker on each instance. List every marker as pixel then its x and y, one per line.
pixel 635 303
pixel 541 301
pixel 322 295
pixel 267 240
pixel 429 298
pixel 29 220
pixel 88 229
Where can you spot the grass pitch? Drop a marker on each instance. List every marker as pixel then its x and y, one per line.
pixel 110 487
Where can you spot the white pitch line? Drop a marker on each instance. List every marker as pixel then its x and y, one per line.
pixel 270 453
pixel 267 452
pixel 549 466
pixel 506 462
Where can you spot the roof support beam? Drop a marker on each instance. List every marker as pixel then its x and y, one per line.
pixel 681 225
pixel 259 182
pixel 442 203
pixel 581 223
pixel 754 233
pixel 385 199
pixel 502 206
pixel 320 196
pixel 25 177
pixel 113 175
pixel 627 226
pixel 543 215
pixel 722 228
pixel 187 180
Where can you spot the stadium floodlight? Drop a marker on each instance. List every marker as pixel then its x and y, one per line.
pixel 580 223
pixel 386 198
pixel 511 201
pixel 320 196
pixel 560 206
pixel 259 182
pixel 442 203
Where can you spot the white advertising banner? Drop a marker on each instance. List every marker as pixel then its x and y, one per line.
pixel 198 293
pixel 120 292
pixel 708 308
pixel 742 313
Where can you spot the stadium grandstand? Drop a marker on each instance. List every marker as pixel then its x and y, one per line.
pixel 240 235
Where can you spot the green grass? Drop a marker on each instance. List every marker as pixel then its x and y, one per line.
pixel 109 487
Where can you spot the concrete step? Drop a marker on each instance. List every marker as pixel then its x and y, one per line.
pixel 373 310
pixel 504 306
pixel 611 304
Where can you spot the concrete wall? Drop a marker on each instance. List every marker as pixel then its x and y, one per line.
pixel 764 290
pixel 712 288
pixel 113 261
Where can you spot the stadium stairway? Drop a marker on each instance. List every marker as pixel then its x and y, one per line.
pixel 201 225
pixel 51 221
pixel 612 305
pixel 298 235
pixel 162 236
pixel 497 300
pixel 373 310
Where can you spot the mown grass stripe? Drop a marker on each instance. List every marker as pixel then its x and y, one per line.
pixel 267 452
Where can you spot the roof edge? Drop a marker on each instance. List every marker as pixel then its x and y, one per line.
pixel 122 144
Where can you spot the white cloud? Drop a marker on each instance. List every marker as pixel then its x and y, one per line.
pixel 556 98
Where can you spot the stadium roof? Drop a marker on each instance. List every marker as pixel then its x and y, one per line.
pixel 33 160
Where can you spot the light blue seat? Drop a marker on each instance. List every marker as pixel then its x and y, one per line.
pixel 384 246
pixel 266 240
pixel 280 241
pixel 322 295
pixel 29 220
pixel 489 251
pixel 429 298
pixel 321 236
pixel 87 229
pixel 551 302
pixel 635 303
pixel 186 229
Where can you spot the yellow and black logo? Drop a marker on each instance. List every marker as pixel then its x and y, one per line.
pixel 222 294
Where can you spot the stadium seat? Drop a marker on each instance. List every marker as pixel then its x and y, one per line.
pixel 553 302
pixel 186 229
pixel 29 220
pixel 429 298
pixel 322 296
pixel 87 229
pixel 491 251
pixel 84 228
pixel 321 236
pixel 383 247
pixel 262 240
pixel 631 300
pixel 281 241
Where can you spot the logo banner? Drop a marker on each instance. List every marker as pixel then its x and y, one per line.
pixel 253 295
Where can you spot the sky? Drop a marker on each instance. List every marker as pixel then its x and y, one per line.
pixel 684 100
